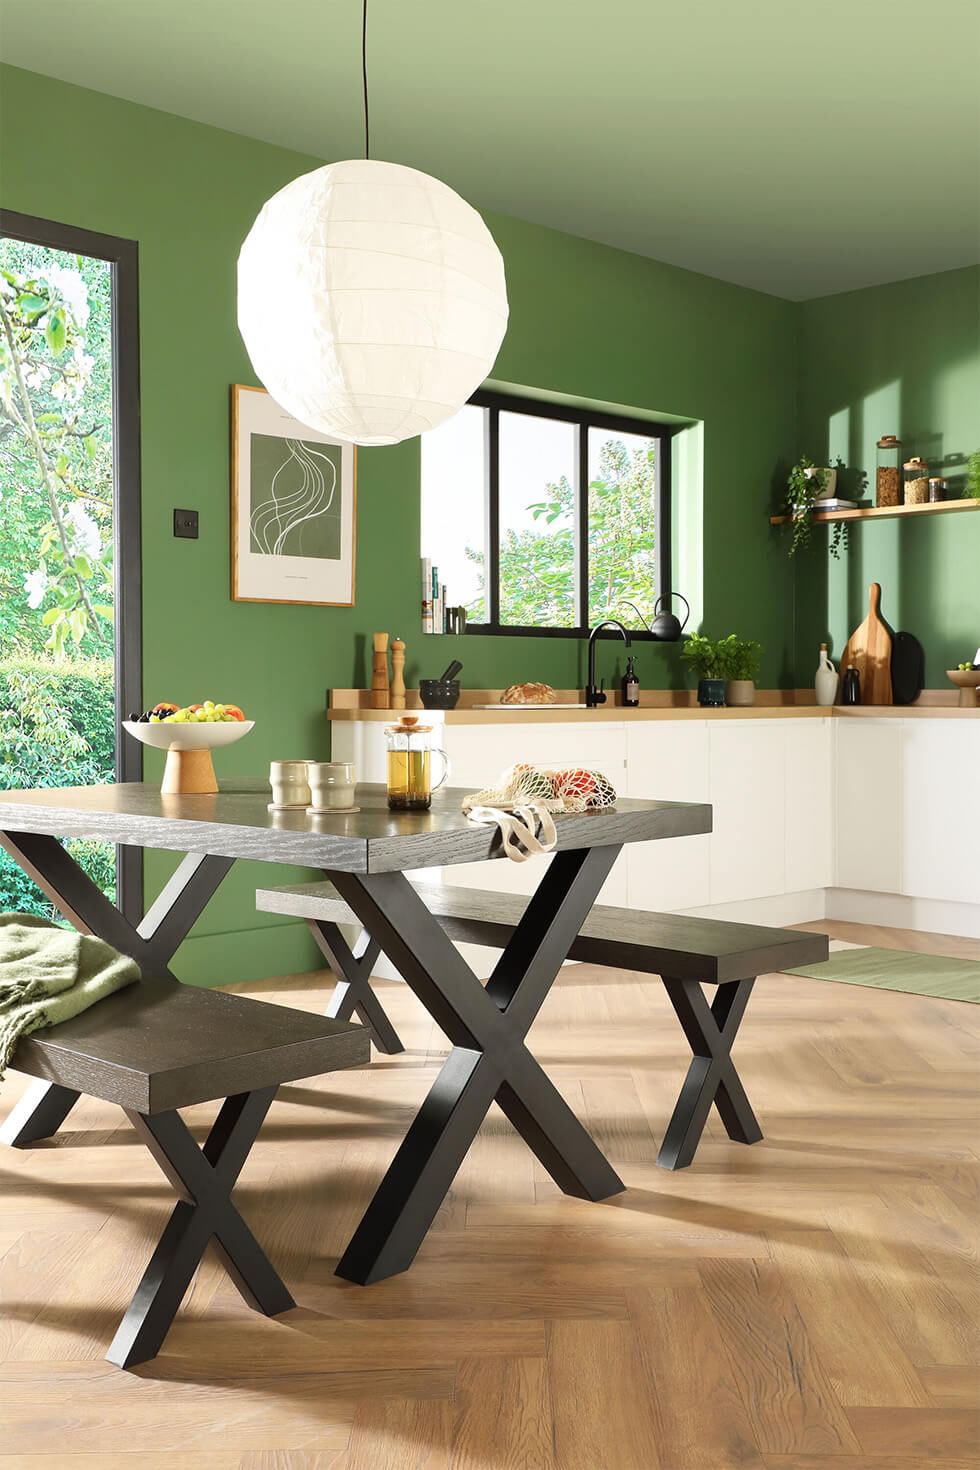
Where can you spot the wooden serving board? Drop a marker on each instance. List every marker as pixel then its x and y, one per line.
pixel 869 649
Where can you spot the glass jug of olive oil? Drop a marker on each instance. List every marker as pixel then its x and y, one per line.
pixel 409 756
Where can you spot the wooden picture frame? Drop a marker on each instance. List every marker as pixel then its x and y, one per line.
pixel 290 540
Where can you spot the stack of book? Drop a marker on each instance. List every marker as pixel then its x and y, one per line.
pixel 433 599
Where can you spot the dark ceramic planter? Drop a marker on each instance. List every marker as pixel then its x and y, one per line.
pixel 711 692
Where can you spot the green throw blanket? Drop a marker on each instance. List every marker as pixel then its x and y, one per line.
pixel 48 975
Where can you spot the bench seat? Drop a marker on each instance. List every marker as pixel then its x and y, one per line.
pixel 685 952
pixel 713 951
pixel 153 1048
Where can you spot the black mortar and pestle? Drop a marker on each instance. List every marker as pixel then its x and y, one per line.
pixel 441 693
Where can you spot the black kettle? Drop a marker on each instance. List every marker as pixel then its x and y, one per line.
pixel 666 626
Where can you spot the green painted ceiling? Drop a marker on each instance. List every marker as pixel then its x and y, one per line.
pixel 797 146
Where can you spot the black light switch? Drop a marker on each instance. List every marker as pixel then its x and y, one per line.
pixel 185 523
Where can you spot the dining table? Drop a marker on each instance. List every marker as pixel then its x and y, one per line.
pixel 367 854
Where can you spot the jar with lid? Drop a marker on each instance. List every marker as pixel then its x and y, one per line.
pixel 916 473
pixel 937 490
pixel 888 478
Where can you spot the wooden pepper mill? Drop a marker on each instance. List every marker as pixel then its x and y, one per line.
pixel 379 672
pixel 398 673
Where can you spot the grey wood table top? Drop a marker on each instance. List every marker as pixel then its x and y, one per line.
pixel 236 823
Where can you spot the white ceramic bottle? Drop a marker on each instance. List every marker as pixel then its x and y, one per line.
pixel 827 679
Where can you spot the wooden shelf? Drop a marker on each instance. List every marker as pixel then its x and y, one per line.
pixel 883 512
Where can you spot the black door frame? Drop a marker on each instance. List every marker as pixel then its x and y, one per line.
pixel 123 257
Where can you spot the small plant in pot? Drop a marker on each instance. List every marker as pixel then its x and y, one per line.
pixel 726 668
pixel 707 662
pixel 740 657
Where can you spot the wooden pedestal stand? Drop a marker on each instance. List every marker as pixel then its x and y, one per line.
pixel 188 773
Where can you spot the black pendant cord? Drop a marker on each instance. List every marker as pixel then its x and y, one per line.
pixel 367 118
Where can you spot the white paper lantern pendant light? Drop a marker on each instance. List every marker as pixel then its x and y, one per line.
pixel 371 298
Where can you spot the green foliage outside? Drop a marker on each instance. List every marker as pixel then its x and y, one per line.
pixel 56 729
pixel 537 566
pixel 55 451
pixel 56 544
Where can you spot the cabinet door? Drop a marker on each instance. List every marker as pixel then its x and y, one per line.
pixel 868 779
pixel 748 793
pixel 668 759
pixel 809 805
pixel 940 809
pixel 479 753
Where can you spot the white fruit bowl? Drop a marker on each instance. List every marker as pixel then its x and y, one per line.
pixel 190 736
pixel 189 770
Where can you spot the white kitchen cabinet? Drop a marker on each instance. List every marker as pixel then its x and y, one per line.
pixel 668 759
pixel 847 806
pixel 748 793
pixel 480 753
pixel 940 809
pixel 869 803
pixel 809 786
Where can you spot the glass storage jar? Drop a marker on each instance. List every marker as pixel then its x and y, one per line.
pixel 888 478
pixel 937 490
pixel 916 481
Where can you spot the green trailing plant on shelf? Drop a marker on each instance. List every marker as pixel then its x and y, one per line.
pixel 972 491
pixel 805 484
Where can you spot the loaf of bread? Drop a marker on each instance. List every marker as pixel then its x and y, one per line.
pixel 528 694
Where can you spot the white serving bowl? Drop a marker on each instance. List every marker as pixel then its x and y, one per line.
pixel 190 736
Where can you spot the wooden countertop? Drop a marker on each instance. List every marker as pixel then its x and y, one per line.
pixel 656 704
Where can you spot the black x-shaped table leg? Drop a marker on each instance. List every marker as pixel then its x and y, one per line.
pixel 152 944
pixel 711 1077
pixel 352 991
pixel 489 1059
pixel 204 1179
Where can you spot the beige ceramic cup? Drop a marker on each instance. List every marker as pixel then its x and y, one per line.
pixel 332 785
pixel 290 784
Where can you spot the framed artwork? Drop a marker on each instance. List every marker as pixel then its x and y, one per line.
pixel 293 507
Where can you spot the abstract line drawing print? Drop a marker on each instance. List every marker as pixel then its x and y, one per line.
pixel 295 498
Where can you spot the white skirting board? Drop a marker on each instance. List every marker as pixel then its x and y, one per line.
pixel 932 915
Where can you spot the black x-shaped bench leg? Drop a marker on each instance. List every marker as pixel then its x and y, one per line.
pixel 352 991
pixel 711 1077
pixel 204 1179
pixel 152 944
pixel 489 1060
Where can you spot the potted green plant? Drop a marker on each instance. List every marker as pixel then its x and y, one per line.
pixel 740 658
pixel 809 483
pixel 708 663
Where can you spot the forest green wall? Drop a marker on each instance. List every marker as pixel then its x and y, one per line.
pixel 899 359
pixel 586 321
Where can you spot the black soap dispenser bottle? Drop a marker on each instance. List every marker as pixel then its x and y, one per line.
pixel 631 686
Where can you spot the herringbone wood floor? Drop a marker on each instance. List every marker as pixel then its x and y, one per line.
pixel 806 1304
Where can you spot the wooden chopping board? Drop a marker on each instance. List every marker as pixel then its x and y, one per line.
pixel 869 649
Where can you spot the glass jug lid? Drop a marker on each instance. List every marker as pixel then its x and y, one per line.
pixel 408 727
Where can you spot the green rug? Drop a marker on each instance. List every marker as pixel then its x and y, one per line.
pixel 900 969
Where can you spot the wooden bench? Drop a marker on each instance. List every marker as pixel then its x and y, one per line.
pixel 686 953
pixel 159 1046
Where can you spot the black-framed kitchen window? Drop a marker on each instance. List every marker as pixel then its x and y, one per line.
pixel 544 519
pixel 122 257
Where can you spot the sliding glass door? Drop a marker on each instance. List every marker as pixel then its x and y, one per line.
pixel 69 525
